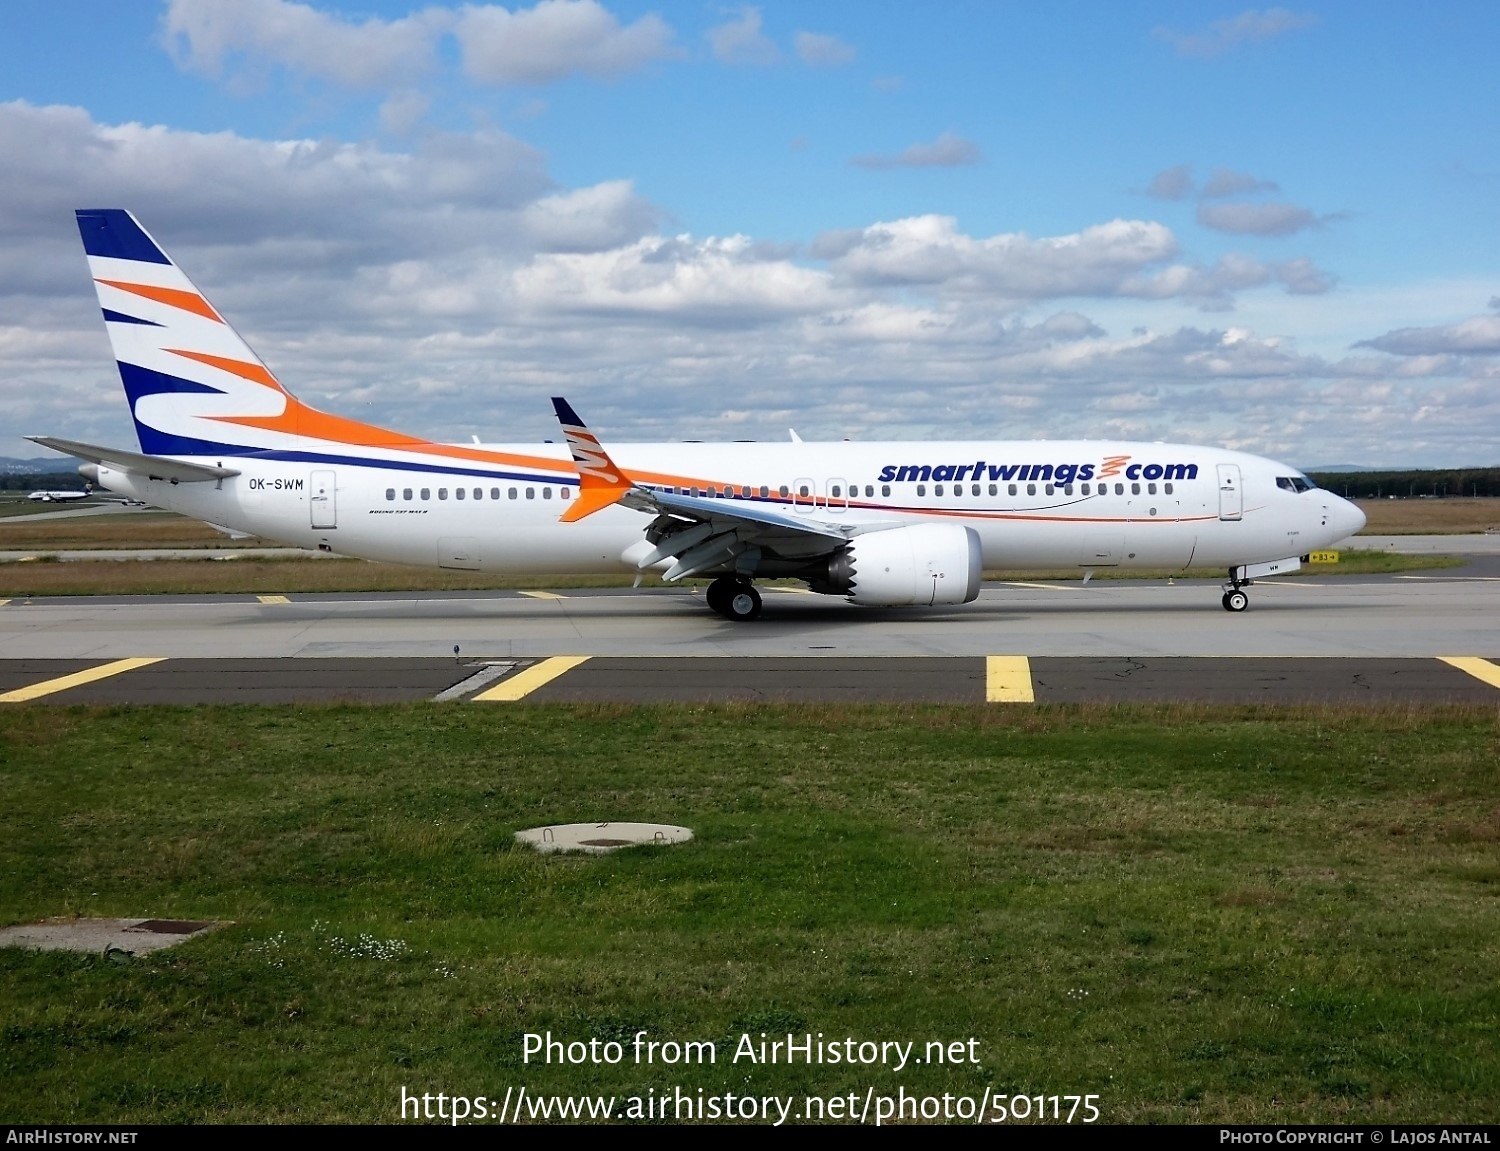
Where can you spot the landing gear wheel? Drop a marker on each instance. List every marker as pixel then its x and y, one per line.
pixel 717 595
pixel 743 603
pixel 1236 600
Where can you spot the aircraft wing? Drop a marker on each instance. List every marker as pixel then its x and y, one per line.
pixel 152 467
pixel 699 533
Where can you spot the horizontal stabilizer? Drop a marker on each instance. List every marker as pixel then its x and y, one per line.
pixel 152 467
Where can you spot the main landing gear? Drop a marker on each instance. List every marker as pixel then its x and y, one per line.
pixel 734 597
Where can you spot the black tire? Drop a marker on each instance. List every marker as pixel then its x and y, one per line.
pixel 718 592
pixel 1236 600
pixel 742 603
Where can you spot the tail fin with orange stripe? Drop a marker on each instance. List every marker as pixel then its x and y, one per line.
pixel 195 387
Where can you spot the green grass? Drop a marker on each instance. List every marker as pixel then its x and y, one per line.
pixel 1198 914
pixel 257 575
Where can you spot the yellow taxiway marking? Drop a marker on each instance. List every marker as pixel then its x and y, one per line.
pixel 3 602
pixel 273 599
pixel 77 679
pixel 1480 669
pixel 1007 679
pixel 522 684
pixel 793 590
pixel 1043 586
pixel 543 595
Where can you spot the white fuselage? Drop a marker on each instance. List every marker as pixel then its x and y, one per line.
pixel 1034 504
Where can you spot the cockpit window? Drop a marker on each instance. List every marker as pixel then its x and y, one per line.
pixel 1295 483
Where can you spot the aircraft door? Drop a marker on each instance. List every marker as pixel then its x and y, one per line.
pixel 323 500
pixel 804 496
pixel 837 499
pixel 1231 497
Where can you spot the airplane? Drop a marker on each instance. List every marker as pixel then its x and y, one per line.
pixel 885 524
pixel 60 497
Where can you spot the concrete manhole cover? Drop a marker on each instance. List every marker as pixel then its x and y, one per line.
pixel 599 838
pixel 136 936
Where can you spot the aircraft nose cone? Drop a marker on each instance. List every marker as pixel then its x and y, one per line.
pixel 1345 518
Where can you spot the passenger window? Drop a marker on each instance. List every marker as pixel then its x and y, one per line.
pixel 459 493
pixel 494 493
pixel 1031 489
pixel 546 493
pixel 885 489
pixel 784 491
pixel 1050 489
pixel 406 493
pixel 802 491
pixel 1150 489
pixel 1068 490
pixel 765 492
pixel 390 493
pixel 564 493
pixel 1167 488
pixel 531 493
pixel 426 493
pixel 976 489
pixel 994 489
pixel 1119 489
pixel 512 493
pixel 442 493
pixel 937 489
pixel 1085 489
pixel 1135 489
pixel 921 489
pixel 1012 489
pixel 479 493
pixel 836 492
pixel 745 492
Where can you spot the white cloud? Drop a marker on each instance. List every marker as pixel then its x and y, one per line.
pixel 1227 182
pixel 498 45
pixel 1171 183
pixel 1477 335
pixel 450 285
pixel 555 39
pixel 589 219
pixel 1261 219
pixel 740 41
pixel 819 51
pixel 947 151
pixel 207 35
pixel 1249 27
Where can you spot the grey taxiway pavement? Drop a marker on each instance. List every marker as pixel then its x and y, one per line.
pixel 1419 637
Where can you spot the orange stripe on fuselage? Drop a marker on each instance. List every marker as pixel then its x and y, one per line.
pixel 175 297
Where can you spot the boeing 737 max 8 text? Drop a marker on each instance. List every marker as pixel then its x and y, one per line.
pixel 879 523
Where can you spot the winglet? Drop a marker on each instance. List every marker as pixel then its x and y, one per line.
pixel 600 482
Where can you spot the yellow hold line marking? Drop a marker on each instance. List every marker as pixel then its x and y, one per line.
pixel 543 595
pixel 77 679
pixel 1480 669
pixel 1007 679
pixel 522 684
pixel 273 599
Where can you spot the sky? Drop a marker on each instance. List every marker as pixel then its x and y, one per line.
pixel 1273 229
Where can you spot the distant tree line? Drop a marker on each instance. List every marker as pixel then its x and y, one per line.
pixel 1413 484
pixel 68 481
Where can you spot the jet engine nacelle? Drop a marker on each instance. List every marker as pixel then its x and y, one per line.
pixel 925 564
